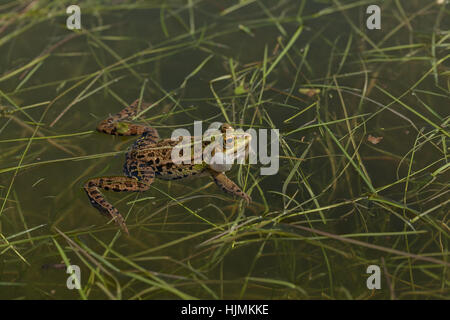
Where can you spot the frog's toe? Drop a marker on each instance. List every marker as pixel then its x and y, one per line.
pixel 247 198
pixel 121 222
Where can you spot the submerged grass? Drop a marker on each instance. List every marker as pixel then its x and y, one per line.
pixel 363 122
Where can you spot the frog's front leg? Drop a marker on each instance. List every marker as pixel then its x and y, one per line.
pixel 228 185
pixel 117 125
pixel 117 184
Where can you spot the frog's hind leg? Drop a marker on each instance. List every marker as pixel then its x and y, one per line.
pixel 117 124
pixel 117 184
pixel 227 185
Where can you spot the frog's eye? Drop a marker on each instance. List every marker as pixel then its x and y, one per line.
pixel 224 127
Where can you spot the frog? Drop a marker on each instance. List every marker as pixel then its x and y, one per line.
pixel 150 158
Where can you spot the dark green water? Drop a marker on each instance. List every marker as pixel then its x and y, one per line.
pixel 335 44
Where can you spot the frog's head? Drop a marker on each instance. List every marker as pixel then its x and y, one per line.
pixel 235 142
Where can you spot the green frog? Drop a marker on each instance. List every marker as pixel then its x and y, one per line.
pixel 151 157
